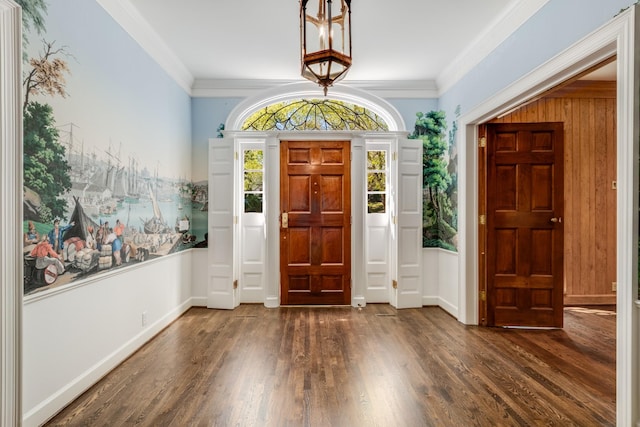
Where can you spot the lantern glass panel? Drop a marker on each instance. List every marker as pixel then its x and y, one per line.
pixel 340 29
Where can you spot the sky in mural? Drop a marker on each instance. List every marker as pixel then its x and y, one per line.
pixel 111 91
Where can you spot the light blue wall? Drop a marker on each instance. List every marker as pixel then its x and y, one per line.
pixel 558 25
pixel 117 92
pixel 409 107
pixel 206 115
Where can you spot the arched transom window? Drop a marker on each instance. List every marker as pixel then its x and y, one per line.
pixel 314 114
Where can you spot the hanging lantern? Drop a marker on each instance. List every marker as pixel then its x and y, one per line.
pixel 325 34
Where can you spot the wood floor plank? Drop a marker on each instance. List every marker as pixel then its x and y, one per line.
pixel 339 366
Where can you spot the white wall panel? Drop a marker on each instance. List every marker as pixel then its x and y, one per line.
pixel 378 234
pixel 409 292
pixel 73 337
pixel 252 244
pixel 221 293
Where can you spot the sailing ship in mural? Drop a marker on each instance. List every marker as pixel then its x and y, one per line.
pixel 117 214
pixel 157 224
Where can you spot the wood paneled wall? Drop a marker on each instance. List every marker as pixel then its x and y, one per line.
pixel 588 111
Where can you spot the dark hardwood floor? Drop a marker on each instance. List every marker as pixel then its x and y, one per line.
pixel 340 366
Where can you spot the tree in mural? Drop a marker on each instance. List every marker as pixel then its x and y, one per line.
pixel 46 171
pixel 47 74
pixel 45 168
pixel 438 214
pixel 33 12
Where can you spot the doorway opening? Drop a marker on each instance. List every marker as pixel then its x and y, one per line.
pixel 572 243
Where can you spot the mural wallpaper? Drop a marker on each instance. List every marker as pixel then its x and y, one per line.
pixel 105 183
pixel 440 176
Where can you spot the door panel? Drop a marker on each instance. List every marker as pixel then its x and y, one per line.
pixel 220 292
pixel 409 293
pixel 315 234
pixel 525 201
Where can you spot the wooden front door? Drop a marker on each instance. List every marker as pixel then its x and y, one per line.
pixel 315 231
pixel 524 229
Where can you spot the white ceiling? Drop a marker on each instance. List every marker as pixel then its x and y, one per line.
pixel 430 43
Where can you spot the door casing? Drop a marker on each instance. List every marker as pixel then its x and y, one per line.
pixel 271 143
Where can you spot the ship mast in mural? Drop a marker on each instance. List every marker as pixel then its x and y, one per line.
pixel 157 224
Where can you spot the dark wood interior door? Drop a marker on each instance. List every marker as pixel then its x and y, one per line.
pixel 315 230
pixel 524 241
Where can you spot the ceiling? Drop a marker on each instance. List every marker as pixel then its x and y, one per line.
pixel 427 43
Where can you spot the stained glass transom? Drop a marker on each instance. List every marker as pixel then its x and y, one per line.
pixel 314 114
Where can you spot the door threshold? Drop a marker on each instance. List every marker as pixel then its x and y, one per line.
pixel 541 328
pixel 314 306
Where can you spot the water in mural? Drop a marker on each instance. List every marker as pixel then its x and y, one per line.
pixel 115 215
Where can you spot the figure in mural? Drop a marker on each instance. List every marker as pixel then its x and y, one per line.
pixel 90 242
pixel 119 230
pixel 56 235
pixel 45 255
pixel 31 237
pixel 116 245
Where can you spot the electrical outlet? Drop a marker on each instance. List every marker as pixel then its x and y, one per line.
pixel 614 286
pixel 144 318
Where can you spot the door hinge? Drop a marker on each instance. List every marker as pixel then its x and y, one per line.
pixel 482 142
pixel 394 156
pixel 235 284
pixel 394 284
pixel 235 219
pixel 483 295
pixel 235 155
pixel 482 219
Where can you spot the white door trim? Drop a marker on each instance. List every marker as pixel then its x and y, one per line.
pixel 11 218
pixel 271 143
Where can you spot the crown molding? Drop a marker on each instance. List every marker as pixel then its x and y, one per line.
pixel 139 29
pixel 125 14
pixel 503 26
pixel 219 88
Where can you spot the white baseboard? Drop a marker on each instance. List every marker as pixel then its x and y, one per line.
pixel 428 301
pixel 272 302
pixel 198 301
pixel 440 302
pixel 359 302
pixel 52 405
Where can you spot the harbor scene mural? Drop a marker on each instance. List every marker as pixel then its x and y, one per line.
pixel 106 183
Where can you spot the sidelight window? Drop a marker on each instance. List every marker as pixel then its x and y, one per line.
pixel 253 173
pixel 377 174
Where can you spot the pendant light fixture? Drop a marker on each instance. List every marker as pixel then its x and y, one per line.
pixel 325 37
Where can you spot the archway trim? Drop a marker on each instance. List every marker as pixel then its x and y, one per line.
pixel 308 90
